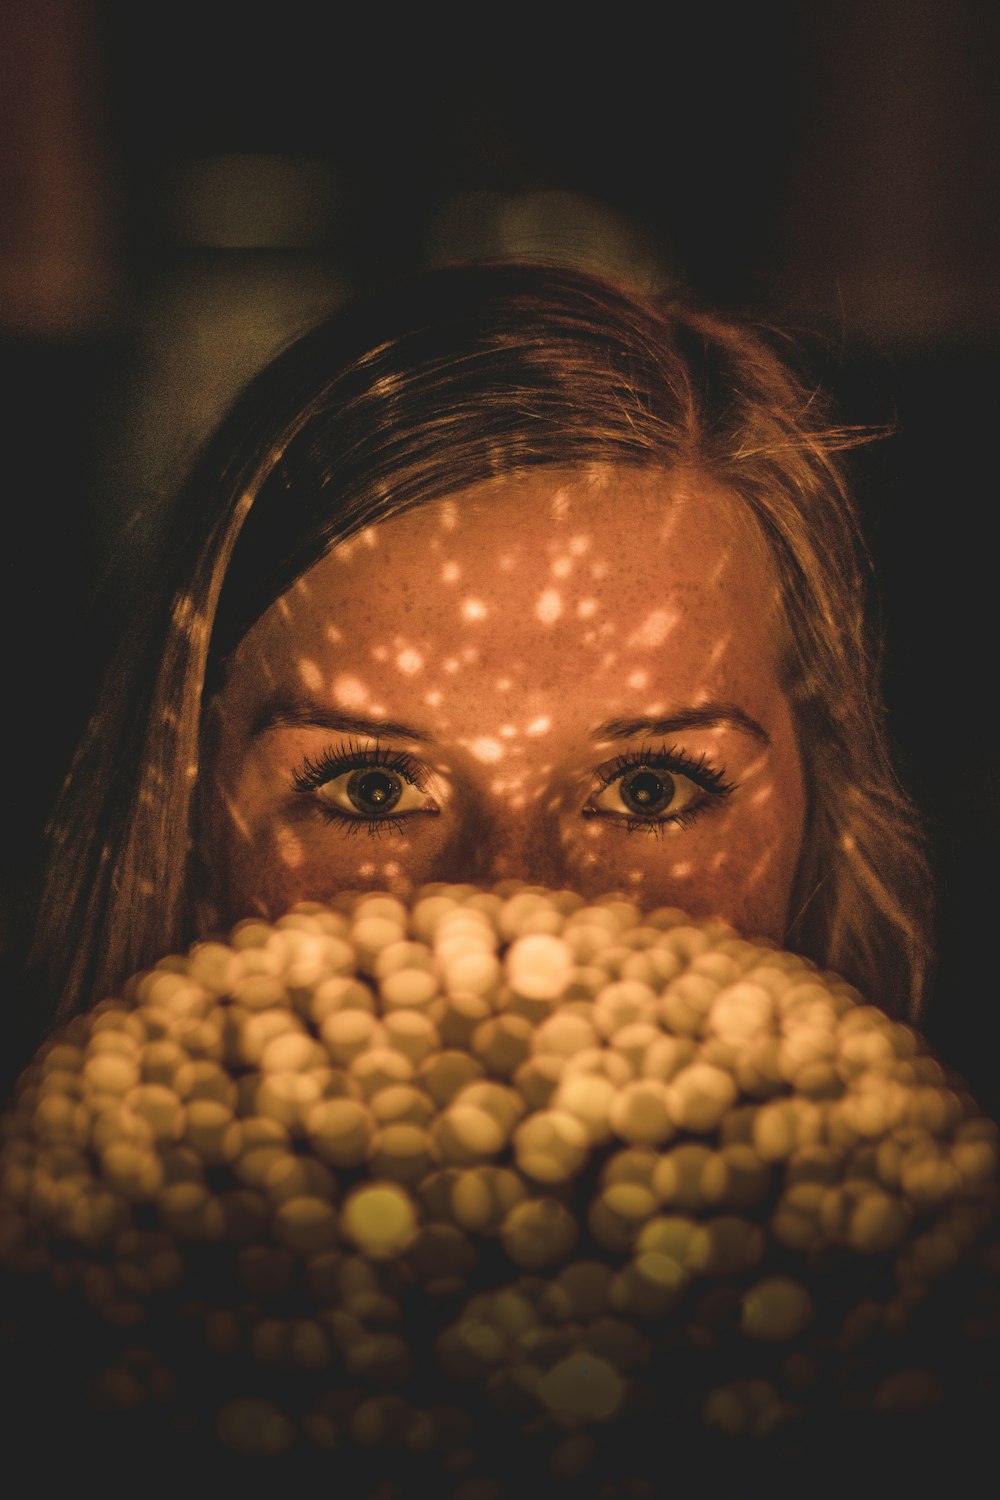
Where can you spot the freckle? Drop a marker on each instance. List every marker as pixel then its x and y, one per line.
pixel 549 607
pixel 586 608
pixel 539 726
pixel 638 680
pixel 598 570
pixel 310 674
pixel 349 692
pixel 486 750
pixel 474 609
pixel 452 664
pixel 451 572
pixel 380 653
pixel 409 661
pixel 433 698
pixel 562 567
pixel 333 635
pixel 578 545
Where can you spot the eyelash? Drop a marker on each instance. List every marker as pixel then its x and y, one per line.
pixel 711 779
pixel 351 757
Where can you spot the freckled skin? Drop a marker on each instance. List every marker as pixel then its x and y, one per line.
pixel 685 610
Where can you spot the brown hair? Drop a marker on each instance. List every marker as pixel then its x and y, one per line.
pixel 456 377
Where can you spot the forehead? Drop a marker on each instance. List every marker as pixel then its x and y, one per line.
pixel 578 572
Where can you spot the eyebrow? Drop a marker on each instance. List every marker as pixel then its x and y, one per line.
pixel 705 716
pixel 307 714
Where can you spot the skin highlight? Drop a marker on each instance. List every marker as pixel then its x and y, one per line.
pixel 480 643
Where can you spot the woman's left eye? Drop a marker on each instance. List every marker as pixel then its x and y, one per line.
pixel 649 791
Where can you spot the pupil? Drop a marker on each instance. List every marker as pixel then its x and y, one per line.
pixel 648 791
pixel 373 790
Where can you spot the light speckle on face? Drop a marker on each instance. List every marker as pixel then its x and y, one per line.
pixel 695 622
pixel 655 628
pixel 349 691
pixel 474 609
pixel 487 750
pixel 562 567
pixel 549 607
pixel 409 661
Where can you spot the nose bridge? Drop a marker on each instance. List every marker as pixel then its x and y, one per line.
pixel 503 842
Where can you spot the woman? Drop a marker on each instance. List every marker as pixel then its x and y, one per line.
pixel 500 567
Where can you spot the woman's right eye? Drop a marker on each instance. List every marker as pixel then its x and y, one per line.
pixel 371 792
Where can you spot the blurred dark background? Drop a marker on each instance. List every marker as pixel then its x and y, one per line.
pixel 183 187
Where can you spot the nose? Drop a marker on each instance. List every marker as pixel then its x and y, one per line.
pixel 508 845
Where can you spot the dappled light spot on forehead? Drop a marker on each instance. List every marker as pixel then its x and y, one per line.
pixel 655 628
pixel 311 675
pixel 370 537
pixel 507 563
pixel 586 608
pixel 433 698
pixel 504 685
pixel 409 661
pixel 638 680
pixel 559 505
pixel 451 572
pixel 474 609
pixel 471 653
pixel 578 545
pixel 380 653
pixel 549 607
pixel 598 570
pixel 539 726
pixel 448 515
pixel 349 691
pixel 333 635
pixel 452 664
pixel 507 732
pixel 562 567
pixel 486 750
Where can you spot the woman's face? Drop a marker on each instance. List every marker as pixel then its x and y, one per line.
pixel 573 679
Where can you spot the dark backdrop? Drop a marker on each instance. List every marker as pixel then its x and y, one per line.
pixel 182 187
